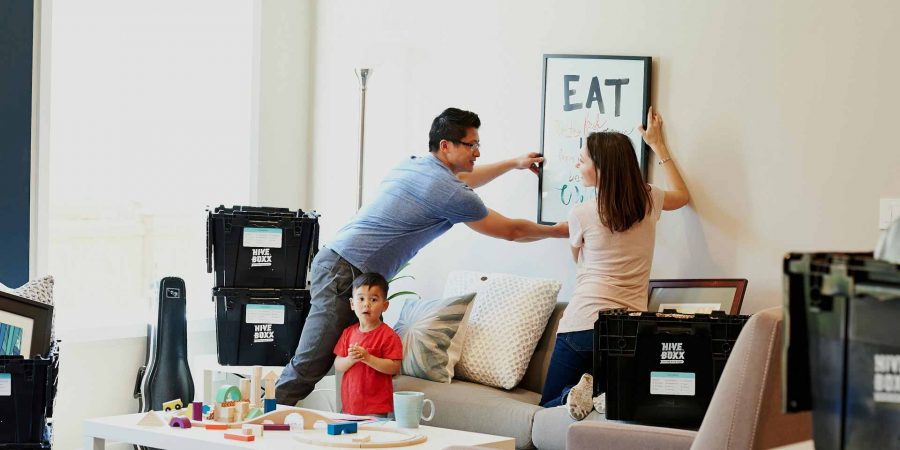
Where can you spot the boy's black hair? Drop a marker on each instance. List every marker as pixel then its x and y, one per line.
pixel 451 125
pixel 371 279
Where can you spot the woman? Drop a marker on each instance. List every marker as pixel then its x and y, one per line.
pixel 612 242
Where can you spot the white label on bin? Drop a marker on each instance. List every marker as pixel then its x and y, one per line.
pixel 273 314
pixel 5 385
pixel 262 237
pixel 673 383
pixel 886 385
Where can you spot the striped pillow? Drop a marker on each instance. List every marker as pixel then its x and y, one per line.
pixel 432 332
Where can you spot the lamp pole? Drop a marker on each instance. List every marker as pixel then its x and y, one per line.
pixel 363 76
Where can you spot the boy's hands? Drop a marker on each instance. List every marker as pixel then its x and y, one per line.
pixel 358 352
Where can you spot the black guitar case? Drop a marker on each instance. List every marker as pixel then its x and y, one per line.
pixel 167 375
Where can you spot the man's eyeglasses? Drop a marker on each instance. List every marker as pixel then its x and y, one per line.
pixel 473 146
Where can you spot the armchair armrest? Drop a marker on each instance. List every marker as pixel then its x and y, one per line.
pixel 621 436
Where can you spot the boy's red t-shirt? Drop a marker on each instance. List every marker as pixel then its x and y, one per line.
pixel 365 390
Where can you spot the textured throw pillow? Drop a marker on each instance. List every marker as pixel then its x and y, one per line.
pixel 505 325
pixel 39 290
pixel 430 331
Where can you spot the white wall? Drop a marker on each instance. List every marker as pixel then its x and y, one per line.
pixel 779 115
pixel 97 376
pixel 285 89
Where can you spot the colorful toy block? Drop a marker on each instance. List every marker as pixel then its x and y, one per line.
pixel 254 413
pixel 197 411
pixel 180 422
pixel 335 429
pixel 228 392
pixel 216 426
pixel 172 405
pixel 240 437
pixel 269 404
pixel 276 427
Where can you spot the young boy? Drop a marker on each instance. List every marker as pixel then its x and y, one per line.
pixel 368 352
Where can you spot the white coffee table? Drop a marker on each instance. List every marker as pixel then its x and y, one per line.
pixel 124 428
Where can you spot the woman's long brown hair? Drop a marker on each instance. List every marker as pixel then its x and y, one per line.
pixel 623 198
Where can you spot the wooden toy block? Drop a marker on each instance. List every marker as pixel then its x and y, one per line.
pixel 362 438
pixel 180 422
pixel 269 381
pixel 245 389
pixel 240 437
pixel 256 430
pixel 228 403
pixel 240 410
pixel 150 419
pixel 216 426
pixel 276 427
pixel 269 405
pixel 270 390
pixel 335 429
pixel 172 405
pixel 227 414
pixel 255 380
pixel 197 410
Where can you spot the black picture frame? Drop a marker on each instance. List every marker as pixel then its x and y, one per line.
pixel 555 168
pixel 41 314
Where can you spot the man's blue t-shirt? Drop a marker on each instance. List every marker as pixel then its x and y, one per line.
pixel 417 201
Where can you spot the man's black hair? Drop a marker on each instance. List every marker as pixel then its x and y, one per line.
pixel 452 125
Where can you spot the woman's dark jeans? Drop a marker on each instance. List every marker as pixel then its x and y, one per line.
pixel 572 357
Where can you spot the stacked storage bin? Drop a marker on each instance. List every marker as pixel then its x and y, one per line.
pixel 843 347
pixel 261 258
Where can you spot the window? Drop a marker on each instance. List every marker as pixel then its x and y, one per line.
pixel 151 120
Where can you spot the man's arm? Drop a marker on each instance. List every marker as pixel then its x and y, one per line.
pixel 484 174
pixel 498 226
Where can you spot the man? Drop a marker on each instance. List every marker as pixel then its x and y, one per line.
pixel 418 201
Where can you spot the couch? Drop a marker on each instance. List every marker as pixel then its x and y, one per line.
pixel 752 380
pixel 463 405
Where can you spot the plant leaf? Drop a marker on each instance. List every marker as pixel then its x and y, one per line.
pixel 396 294
pixel 400 278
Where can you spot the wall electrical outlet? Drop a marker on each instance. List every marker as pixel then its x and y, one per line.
pixel 888 211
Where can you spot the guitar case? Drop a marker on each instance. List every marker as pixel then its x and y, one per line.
pixel 166 375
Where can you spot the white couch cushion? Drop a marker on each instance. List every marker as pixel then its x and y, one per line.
pixel 506 322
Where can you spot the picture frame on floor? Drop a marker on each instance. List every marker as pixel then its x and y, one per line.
pixel 24 326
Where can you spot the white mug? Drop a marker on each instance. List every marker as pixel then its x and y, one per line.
pixel 408 406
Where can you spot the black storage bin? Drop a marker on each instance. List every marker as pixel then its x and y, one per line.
pixel 661 368
pixel 259 247
pixel 27 403
pixel 259 326
pixel 849 306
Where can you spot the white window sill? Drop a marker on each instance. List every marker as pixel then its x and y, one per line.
pixel 126 330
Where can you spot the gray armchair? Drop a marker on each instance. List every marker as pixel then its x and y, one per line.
pixel 745 412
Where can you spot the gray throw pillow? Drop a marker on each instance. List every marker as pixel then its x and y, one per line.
pixel 432 332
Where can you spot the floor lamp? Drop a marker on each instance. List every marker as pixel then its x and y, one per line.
pixel 363 76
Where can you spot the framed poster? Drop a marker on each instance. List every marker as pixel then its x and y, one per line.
pixel 24 326
pixel 583 94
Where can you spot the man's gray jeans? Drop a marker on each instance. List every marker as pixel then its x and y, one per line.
pixel 331 288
